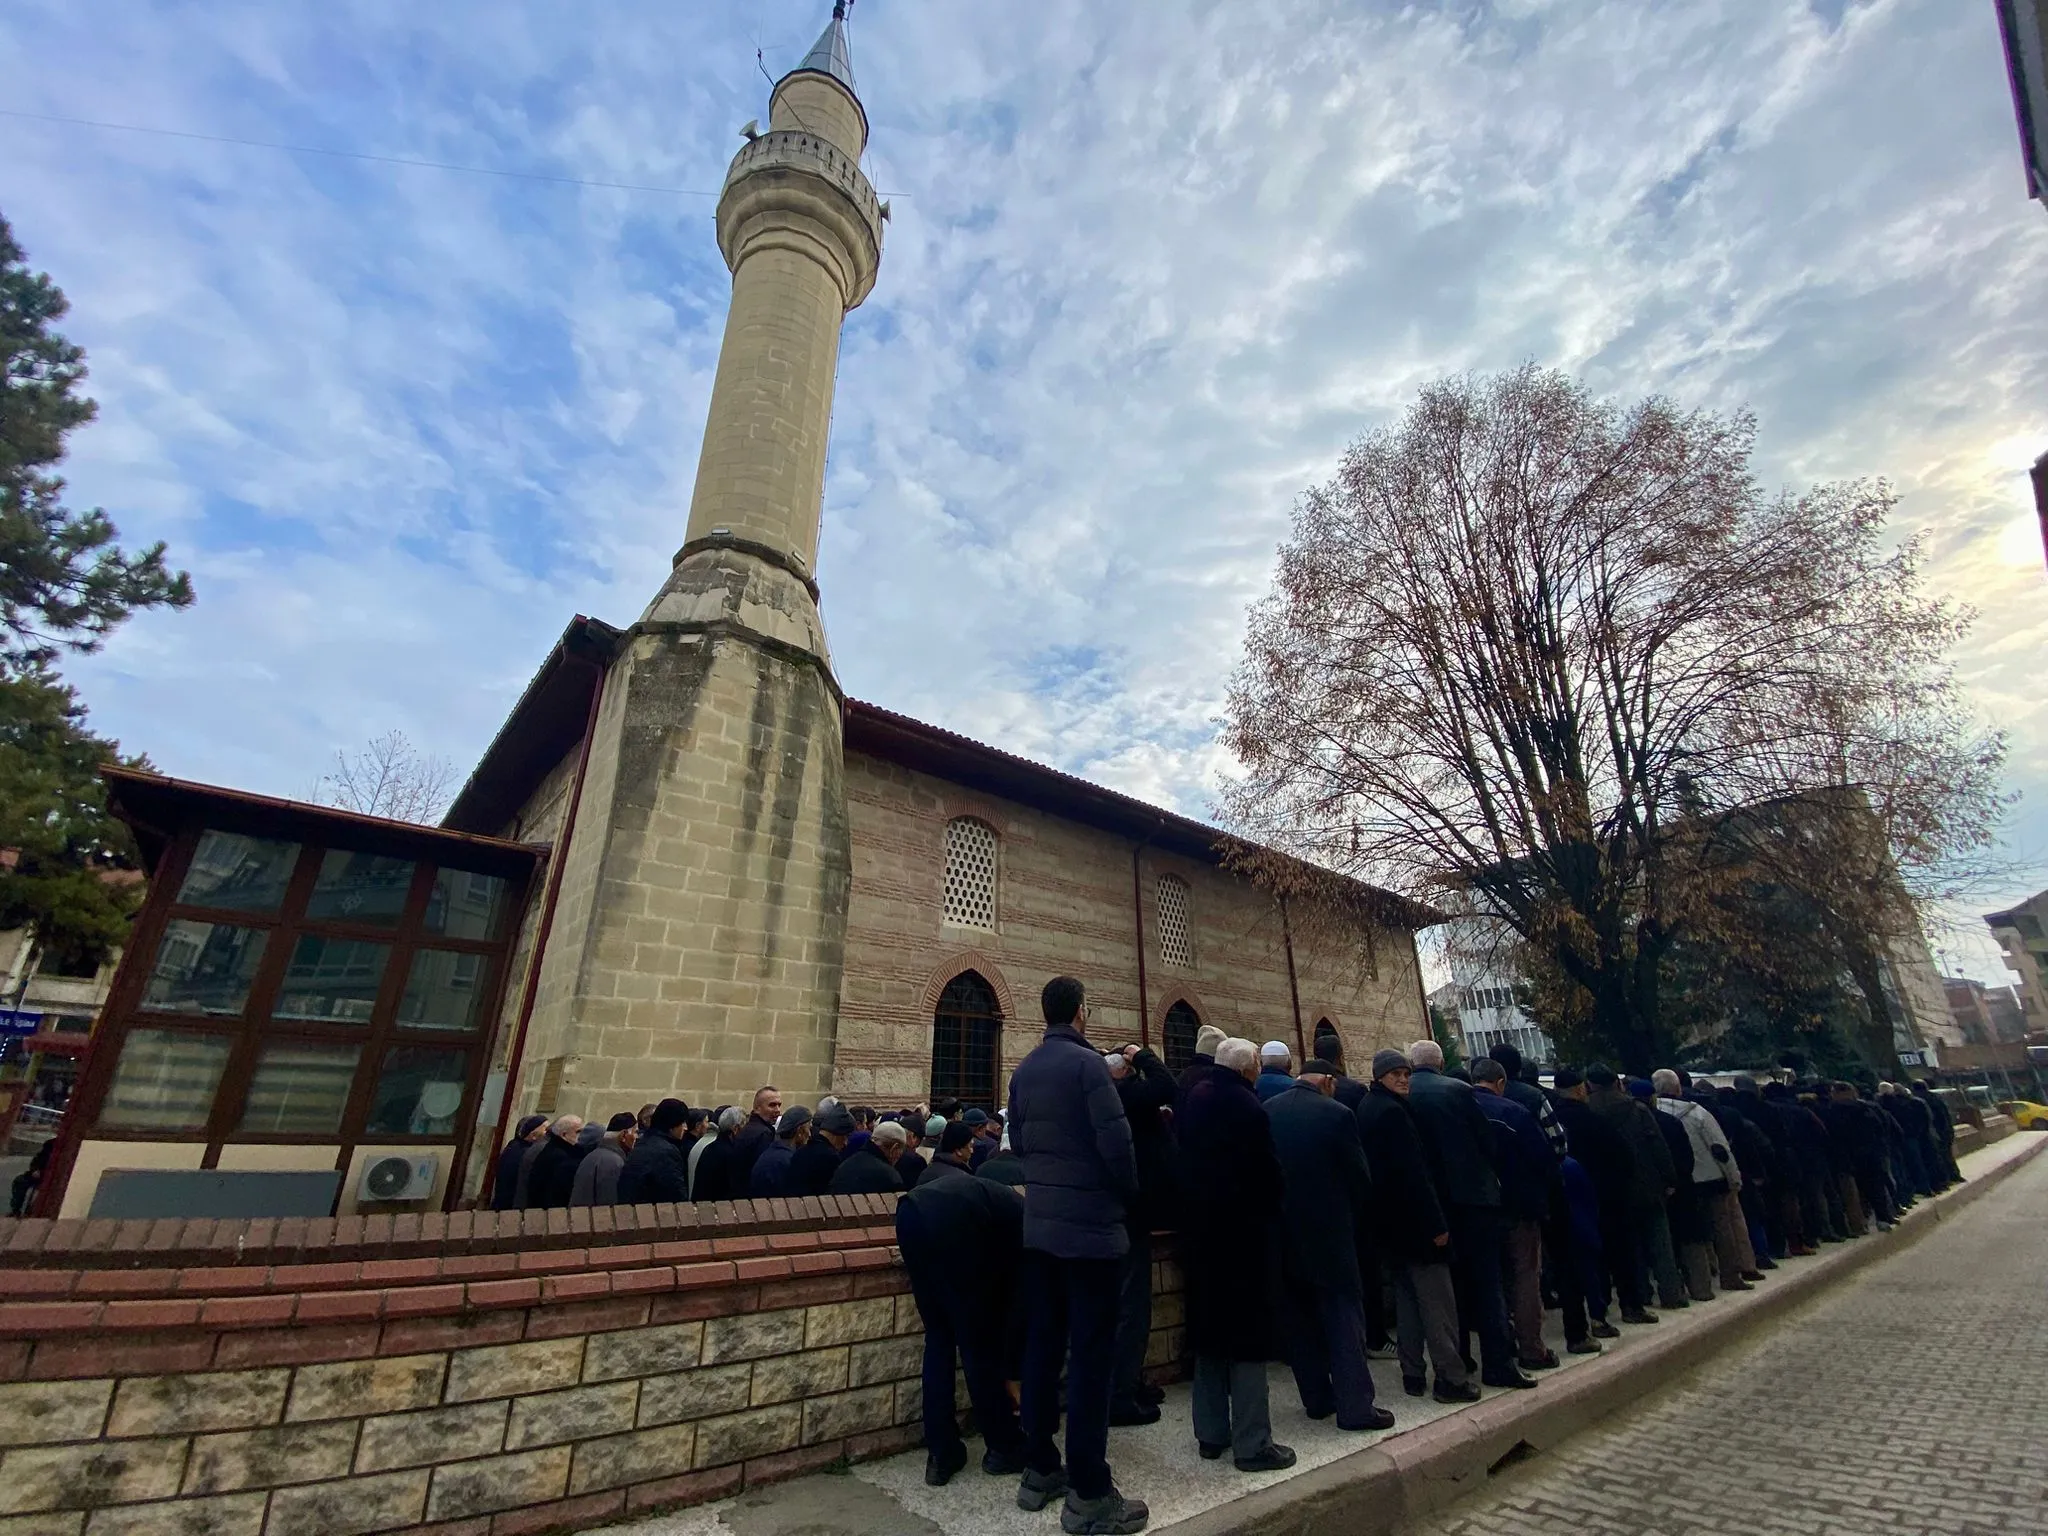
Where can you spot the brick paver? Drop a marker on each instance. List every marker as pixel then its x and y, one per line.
pixel 1913 1398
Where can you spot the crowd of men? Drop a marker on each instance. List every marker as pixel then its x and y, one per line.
pixel 1321 1220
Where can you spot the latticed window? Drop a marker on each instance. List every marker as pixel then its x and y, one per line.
pixel 970 873
pixel 1182 1025
pixel 967 1042
pixel 1175 946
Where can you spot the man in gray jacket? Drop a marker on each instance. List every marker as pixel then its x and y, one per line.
pixel 1080 1178
pixel 597 1176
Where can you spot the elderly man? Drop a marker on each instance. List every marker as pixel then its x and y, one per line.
pixel 1528 1170
pixel 1207 1038
pixel 1408 1209
pixel 1276 1070
pixel 1711 1171
pixel 1653 1182
pixel 954 1156
pixel 1459 1144
pixel 770 1177
pixel 870 1168
pixel 811 1170
pixel 1327 1200
pixel 718 1175
pixel 1068 1128
pixel 597 1176
pixel 1230 1258
pixel 657 1169
pixel 554 1166
pixel 513 1160
pixel 1147 1091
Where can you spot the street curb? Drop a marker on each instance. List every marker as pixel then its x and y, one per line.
pixel 1375 1491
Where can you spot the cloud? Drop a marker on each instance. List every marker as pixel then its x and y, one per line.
pixel 1150 269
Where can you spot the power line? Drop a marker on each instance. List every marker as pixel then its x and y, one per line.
pixel 352 154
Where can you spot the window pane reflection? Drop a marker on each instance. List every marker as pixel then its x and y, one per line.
pixel 248 874
pixel 335 980
pixel 300 1088
pixel 443 989
pixel 165 1081
pixel 203 968
pixel 419 1092
pixel 465 906
pixel 360 888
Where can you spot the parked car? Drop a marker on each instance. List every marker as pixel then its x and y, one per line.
pixel 2026 1114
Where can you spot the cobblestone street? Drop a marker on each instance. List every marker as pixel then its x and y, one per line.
pixel 1913 1398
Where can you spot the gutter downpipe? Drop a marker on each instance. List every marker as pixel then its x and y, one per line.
pixel 530 989
pixel 1293 987
pixel 1138 920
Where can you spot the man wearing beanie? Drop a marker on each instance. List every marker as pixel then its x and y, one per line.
pixel 658 1168
pixel 770 1175
pixel 956 1145
pixel 597 1176
pixel 1207 1038
pixel 811 1170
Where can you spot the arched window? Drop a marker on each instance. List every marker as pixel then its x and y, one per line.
pixel 1182 1025
pixel 967 1041
pixel 1175 947
pixel 970 873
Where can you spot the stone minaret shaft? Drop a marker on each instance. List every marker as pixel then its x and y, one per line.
pixel 701 933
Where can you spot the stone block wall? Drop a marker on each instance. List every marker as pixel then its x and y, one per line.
pixel 472 1375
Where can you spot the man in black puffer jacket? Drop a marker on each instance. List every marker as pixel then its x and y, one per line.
pixel 658 1169
pixel 1080 1182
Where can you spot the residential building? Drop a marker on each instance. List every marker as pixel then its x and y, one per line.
pixel 2022 934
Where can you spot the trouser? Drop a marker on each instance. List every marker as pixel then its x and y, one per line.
pixel 1133 1320
pixel 1759 1218
pixel 1731 1246
pixel 1655 1255
pixel 958 1319
pixel 1327 1353
pixel 1948 1160
pixel 1073 1323
pixel 1230 1406
pixel 1874 1188
pixel 1426 1314
pixel 1619 1246
pixel 1369 1273
pixel 1522 1275
pixel 1475 1271
pixel 1855 1222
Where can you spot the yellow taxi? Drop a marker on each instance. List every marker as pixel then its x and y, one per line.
pixel 2027 1115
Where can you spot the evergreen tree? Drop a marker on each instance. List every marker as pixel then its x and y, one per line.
pixel 65 584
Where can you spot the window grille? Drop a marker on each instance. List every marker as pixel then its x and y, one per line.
pixel 970 873
pixel 967 1040
pixel 1182 1025
pixel 1175 947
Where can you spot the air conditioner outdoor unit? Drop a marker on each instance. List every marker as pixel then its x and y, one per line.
pixel 397 1177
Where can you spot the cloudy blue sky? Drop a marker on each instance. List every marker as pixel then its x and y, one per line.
pixel 1151 267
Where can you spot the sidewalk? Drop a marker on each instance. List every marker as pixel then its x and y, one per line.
pixel 1158 1462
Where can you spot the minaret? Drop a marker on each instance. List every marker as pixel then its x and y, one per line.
pixel 699 943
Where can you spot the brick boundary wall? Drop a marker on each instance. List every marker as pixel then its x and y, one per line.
pixel 465 1375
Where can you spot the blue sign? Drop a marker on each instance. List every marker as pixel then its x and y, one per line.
pixel 18 1021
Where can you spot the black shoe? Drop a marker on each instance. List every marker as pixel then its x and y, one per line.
pixel 1379 1418
pixel 1739 1285
pixel 1583 1347
pixel 1675 1306
pixel 1125 1415
pixel 1415 1386
pixel 1766 1263
pixel 1445 1393
pixel 1471 1365
pixel 1148 1393
pixel 939 1470
pixel 1002 1463
pixel 1318 1415
pixel 1513 1380
pixel 1547 1361
pixel 1274 1458
pixel 1210 1452
pixel 1035 1490
pixel 1638 1316
pixel 1606 1330
pixel 1110 1515
pixel 1886 1226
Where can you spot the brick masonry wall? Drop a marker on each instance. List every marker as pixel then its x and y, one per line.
pixel 1064 905
pixel 472 1378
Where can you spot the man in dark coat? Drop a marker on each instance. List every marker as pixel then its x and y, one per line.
pixel 1862 1133
pixel 870 1169
pixel 1276 1070
pixel 770 1177
pixel 1944 1127
pixel 553 1174
pixel 962 1240
pixel 1330 1050
pixel 597 1176
pixel 755 1137
pixel 1207 1038
pixel 658 1168
pixel 1527 1172
pixel 1653 1181
pixel 718 1172
pixel 1147 1091
pixel 1408 1210
pixel 1327 1198
pixel 811 1169
pixel 1802 1140
pixel 1459 1144
pixel 1230 1258
pixel 1604 1156
pixel 1080 1180
pixel 951 1159
pixel 505 1183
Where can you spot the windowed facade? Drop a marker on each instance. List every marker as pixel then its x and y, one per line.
pixel 1176 943
pixel 1182 1025
pixel 971 861
pixel 967 1043
pixel 288 991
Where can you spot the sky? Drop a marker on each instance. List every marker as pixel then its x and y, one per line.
pixel 1150 269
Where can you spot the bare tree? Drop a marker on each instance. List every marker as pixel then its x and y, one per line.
pixel 390 777
pixel 1528 650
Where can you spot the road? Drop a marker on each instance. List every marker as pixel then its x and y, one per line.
pixel 1913 1398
